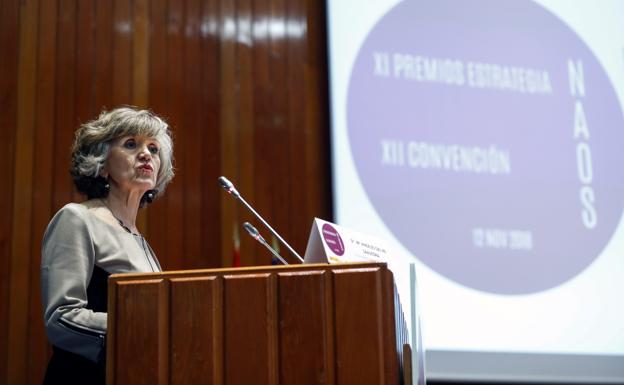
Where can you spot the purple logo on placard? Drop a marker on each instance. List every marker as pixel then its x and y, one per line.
pixel 489 139
pixel 333 239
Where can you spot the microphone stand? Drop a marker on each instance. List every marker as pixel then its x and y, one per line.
pixel 255 234
pixel 229 187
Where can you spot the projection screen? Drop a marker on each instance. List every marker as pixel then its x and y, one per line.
pixel 484 140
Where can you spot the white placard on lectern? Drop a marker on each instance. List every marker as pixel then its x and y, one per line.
pixel 331 243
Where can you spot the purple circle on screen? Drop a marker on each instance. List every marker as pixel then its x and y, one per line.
pixel 489 139
pixel 333 239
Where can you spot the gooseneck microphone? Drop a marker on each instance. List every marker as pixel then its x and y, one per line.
pixel 229 187
pixel 255 234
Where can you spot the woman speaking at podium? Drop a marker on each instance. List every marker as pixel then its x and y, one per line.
pixel 120 161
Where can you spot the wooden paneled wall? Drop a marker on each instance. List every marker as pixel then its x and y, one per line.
pixel 243 84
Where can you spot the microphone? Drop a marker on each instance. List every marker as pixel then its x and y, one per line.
pixel 229 187
pixel 255 234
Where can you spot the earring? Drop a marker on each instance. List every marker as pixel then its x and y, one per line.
pixel 103 186
pixel 150 195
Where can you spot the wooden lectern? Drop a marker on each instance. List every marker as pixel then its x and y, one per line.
pixel 297 324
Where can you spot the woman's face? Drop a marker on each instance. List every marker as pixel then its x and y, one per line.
pixel 133 163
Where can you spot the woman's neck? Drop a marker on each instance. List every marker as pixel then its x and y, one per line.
pixel 124 207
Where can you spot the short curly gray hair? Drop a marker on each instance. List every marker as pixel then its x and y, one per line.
pixel 93 139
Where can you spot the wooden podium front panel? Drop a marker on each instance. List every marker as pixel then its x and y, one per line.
pixel 359 326
pixel 306 328
pixel 196 318
pixel 299 325
pixel 141 344
pixel 250 329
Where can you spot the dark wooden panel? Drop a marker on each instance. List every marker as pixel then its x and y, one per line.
pixel 363 322
pixel 246 154
pixel 123 30
pixel 140 53
pixel 103 66
pixel 228 124
pixel 264 104
pixel 210 138
pixel 9 54
pixel 315 175
pixel 65 116
pixel 176 101
pixel 38 351
pixel 143 337
pixel 85 61
pixel 196 331
pixel 296 87
pixel 280 199
pixel 249 327
pixel 305 311
pixel 21 247
pixel 392 327
pixel 192 133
